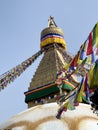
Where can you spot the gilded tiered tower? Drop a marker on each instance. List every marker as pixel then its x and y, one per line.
pixel 43 88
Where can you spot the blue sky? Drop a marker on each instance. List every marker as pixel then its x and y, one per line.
pixel 21 22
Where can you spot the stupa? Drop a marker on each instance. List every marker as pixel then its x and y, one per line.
pixel 43 88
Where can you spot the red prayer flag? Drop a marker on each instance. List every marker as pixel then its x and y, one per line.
pixel 89 47
pixel 74 61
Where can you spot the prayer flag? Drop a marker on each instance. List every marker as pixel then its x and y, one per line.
pixel 89 47
pixel 80 91
pixel 82 51
pixel 96 34
pixel 74 62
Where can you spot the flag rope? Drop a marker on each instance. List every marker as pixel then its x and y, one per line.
pixel 15 72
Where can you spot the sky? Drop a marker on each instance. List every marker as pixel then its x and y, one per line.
pixel 21 23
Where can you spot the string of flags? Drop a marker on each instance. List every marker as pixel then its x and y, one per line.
pixel 88 53
pixel 12 74
pixel 88 49
pixel 76 95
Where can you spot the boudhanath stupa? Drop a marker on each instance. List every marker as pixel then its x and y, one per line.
pixel 53 86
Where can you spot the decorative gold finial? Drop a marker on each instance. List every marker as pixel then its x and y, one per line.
pixel 51 22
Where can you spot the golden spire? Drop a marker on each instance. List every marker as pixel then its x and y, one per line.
pixel 52 34
pixel 51 22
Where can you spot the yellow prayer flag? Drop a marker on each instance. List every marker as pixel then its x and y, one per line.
pixel 90 77
pixel 97 35
pixel 89 59
pixel 67 66
pixel 80 94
